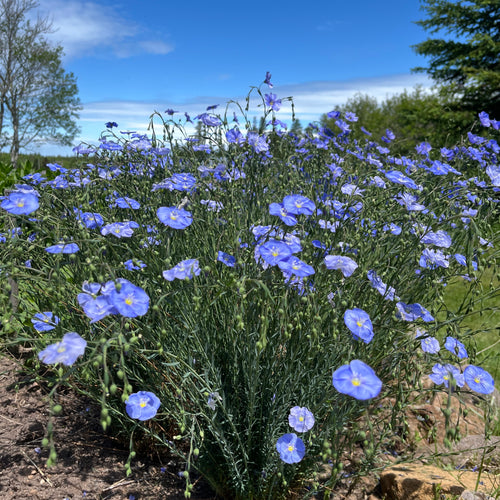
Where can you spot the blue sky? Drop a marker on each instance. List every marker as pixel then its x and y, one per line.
pixel 132 58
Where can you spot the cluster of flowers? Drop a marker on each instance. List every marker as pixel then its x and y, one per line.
pixel 120 297
pixel 114 297
pixel 276 247
pixel 477 378
pixel 355 379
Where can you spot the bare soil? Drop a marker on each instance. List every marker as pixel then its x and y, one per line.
pixel 90 463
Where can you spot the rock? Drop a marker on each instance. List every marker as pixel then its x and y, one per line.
pixel 426 420
pixel 474 495
pixel 426 482
pixel 471 450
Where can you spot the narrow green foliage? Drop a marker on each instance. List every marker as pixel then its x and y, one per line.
pixel 206 286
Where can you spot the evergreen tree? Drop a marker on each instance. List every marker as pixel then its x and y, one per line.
pixel 467 66
pixel 296 127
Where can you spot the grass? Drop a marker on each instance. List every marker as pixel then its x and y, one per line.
pixel 483 320
pixel 39 161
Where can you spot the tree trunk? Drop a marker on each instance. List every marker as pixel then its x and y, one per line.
pixel 14 148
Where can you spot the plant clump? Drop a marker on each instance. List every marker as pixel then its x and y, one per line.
pixel 213 291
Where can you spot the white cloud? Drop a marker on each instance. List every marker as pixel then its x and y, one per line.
pixel 312 99
pixel 86 27
pixel 155 47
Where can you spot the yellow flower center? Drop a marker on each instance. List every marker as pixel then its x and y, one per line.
pixel 355 381
pixel 301 419
pixel 290 448
pixel 359 323
pixel 173 216
pixel 20 203
pixel 274 253
pixel 477 380
pixel 61 348
pixel 128 301
pixel 142 404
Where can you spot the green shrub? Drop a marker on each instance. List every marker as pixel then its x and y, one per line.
pixel 229 344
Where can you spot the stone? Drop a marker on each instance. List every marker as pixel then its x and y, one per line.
pixel 425 482
pixel 474 495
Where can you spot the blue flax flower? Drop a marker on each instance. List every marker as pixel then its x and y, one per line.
pixel 399 178
pixel 359 323
pixel 484 118
pixel 444 374
pixel 183 182
pixel 176 218
pixel 456 347
pixel 96 306
pixel 412 312
pixel 297 204
pixel 301 419
pixel 293 265
pixel 120 229
pixel 493 172
pixel 279 210
pixel 213 399
pixel 142 405
pixel 479 380
pixel 272 101
pixel 423 148
pixel 91 220
pixel 273 251
pixel 376 282
pixel 258 142
pixel 461 259
pixel 126 202
pixel 433 258
pixel 184 269
pixel 439 238
pixel 344 264
pixel 358 380
pixel 344 127
pixel 128 299
pixel 134 264
pixel 428 344
pixel 268 80
pixel 209 120
pixel 235 136
pixel 410 202
pixel 65 352
pixel 44 322
pixel 293 242
pixel 226 259
pixel 63 248
pixel 291 448
pixel 19 203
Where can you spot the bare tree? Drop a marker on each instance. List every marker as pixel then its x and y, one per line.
pixel 38 99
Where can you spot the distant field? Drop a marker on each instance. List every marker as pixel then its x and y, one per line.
pixel 487 323
pixel 39 162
